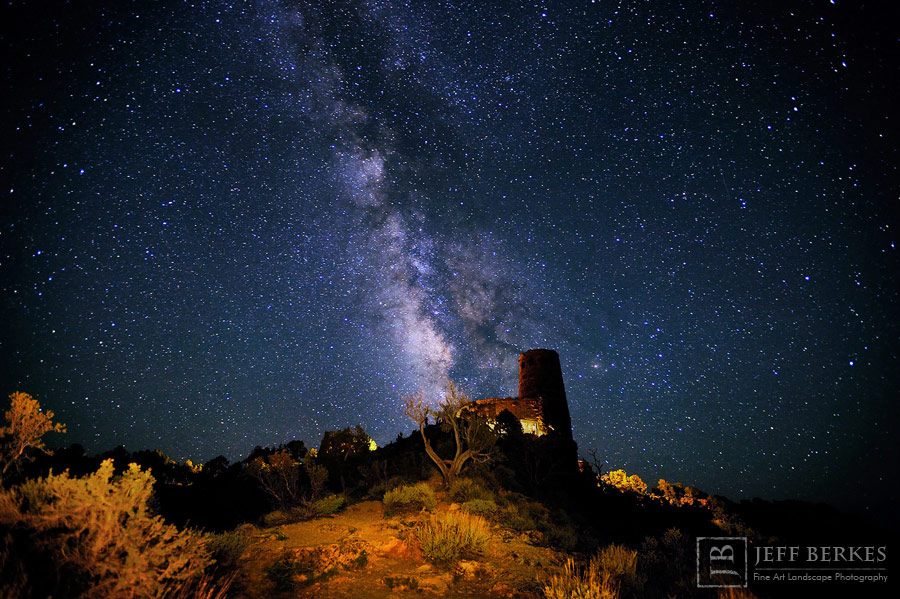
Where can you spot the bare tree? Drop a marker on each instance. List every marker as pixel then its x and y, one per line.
pixel 473 438
pixel 597 462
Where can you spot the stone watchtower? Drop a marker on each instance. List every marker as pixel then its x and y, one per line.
pixel 541 407
pixel 540 378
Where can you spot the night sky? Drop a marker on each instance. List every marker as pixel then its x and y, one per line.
pixel 230 224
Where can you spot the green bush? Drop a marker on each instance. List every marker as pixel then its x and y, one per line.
pixel 95 537
pixel 467 489
pixel 227 549
pixel 328 505
pixel 409 498
pixel 283 517
pixel 480 507
pixel 581 583
pixel 447 537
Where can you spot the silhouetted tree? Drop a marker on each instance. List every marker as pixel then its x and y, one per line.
pixel 215 466
pixel 343 452
pixel 297 449
pixel 279 476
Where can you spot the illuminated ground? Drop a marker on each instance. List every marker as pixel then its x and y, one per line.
pixel 510 567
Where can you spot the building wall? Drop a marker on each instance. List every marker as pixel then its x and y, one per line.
pixel 540 376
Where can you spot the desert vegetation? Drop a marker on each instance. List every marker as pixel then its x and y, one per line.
pixel 446 537
pixel 472 438
pixel 292 522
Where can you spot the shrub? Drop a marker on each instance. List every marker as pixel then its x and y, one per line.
pixel 480 507
pixel 26 425
pixel 581 583
pixel 283 517
pixel 620 480
pixel 563 537
pixel 95 537
pixel 378 489
pixel 318 476
pixel 291 570
pixel 279 476
pixel 620 563
pixel 523 516
pixel 669 564
pixel 447 537
pixel 466 489
pixel 285 570
pixel 305 511
pixel 409 498
pixel 227 549
pixel 328 505
pixel 519 517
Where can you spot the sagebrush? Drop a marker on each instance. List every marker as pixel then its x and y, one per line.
pixel 95 537
pixel 480 507
pixel 409 498
pixel 227 549
pixel 621 565
pixel 446 537
pixel 467 489
pixel 328 505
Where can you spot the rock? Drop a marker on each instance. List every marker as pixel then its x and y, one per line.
pixel 439 585
pixel 469 570
pixel 399 549
pixel 400 583
pixel 348 554
pixel 532 537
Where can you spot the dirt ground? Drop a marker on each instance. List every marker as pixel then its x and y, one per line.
pixel 364 555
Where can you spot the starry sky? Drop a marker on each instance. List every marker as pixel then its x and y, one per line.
pixel 230 224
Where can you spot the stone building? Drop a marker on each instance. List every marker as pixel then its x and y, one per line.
pixel 541 406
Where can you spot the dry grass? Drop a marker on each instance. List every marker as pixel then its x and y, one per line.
pixel 447 537
pixel 581 583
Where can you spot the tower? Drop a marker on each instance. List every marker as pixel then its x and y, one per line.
pixel 541 409
pixel 540 377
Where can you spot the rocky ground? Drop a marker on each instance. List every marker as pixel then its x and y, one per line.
pixel 362 554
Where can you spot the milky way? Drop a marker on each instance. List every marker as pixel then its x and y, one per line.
pixel 232 224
